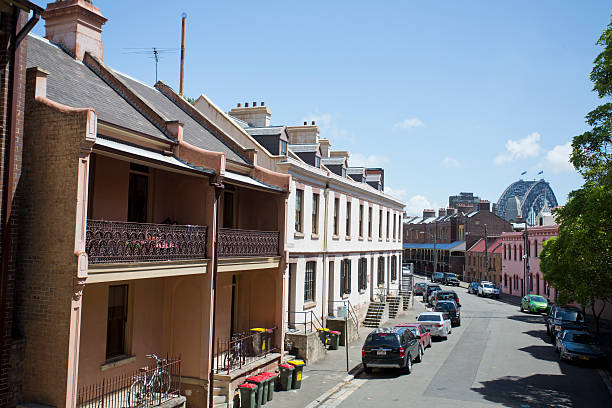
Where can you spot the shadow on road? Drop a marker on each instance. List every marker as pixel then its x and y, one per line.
pixel 539 334
pixel 538 390
pixel 382 374
pixel 539 319
pixel 541 352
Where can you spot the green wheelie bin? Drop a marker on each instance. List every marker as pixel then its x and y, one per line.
pixel 334 340
pixel 259 381
pixel 248 391
pixel 286 376
pixel 271 384
pixel 297 373
pixel 324 335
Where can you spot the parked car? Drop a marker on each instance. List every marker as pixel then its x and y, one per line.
pixel 437 277
pixel 420 332
pixel 432 294
pixel 419 288
pixel 446 295
pixel 393 347
pixel 449 307
pixel 451 279
pixel 488 289
pixel 438 323
pixel 578 345
pixel 563 318
pixel 534 304
pixel 428 291
pixel 473 288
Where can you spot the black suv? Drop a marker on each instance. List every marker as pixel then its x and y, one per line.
pixel 393 347
pixel 563 318
pixel 450 279
pixel 449 307
pixel 428 290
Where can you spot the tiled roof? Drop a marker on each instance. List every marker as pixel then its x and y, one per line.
pixel 494 246
pixel 72 83
pixel 193 132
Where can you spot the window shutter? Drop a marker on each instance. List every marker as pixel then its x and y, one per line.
pixel 341 278
pixel 349 276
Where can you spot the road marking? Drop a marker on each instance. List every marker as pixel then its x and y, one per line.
pixel 605 376
pixel 329 393
pixel 336 399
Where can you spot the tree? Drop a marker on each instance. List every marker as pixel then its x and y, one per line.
pixel 579 262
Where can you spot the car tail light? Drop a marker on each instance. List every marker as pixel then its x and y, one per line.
pixel 362 352
pixel 439 325
pixel 402 352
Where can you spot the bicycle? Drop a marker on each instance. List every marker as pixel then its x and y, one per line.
pixel 235 352
pixel 143 388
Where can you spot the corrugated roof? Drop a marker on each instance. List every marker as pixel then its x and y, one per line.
pixel 193 132
pixel 72 83
pixel 456 245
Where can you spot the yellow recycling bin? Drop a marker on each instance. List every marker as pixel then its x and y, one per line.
pixel 297 373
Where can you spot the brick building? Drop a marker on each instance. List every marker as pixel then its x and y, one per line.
pixel 476 260
pixel 14 27
pixel 448 235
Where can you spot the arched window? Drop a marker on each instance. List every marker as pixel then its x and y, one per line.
pixel 505 280
pixel 537 283
pixel 531 282
pixel 515 252
pixel 521 251
pixel 535 248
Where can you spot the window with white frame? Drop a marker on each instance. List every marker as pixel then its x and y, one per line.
pixel 309 281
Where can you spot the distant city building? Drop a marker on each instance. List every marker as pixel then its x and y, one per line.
pixel 525 199
pixel 464 200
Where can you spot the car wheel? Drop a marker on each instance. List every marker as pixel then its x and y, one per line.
pixel 420 355
pixel 522 310
pixel 459 323
pixel 547 331
pixel 429 344
pixel 408 367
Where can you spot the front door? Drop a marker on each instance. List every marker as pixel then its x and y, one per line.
pixel 331 288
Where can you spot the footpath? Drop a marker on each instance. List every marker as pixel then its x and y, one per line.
pixel 323 378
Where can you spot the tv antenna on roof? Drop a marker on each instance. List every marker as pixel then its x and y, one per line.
pixel 155 53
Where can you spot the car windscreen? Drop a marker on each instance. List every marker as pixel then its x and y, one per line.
pixel 421 284
pixel 580 338
pixel 538 299
pixel 488 286
pixel 429 318
pixel 414 330
pixel 446 296
pixel 383 340
pixel 569 316
pixel 450 275
pixel 445 307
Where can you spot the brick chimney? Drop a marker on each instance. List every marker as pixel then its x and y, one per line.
pixel 325 147
pixel 429 213
pixel 484 205
pixel 77 25
pixel 442 212
pixel 255 116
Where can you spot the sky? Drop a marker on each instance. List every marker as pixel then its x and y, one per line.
pixel 446 96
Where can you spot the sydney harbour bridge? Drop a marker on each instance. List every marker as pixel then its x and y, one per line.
pixel 526 199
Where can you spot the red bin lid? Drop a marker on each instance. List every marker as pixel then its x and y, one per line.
pixel 286 365
pixel 247 385
pixel 255 378
pixel 334 332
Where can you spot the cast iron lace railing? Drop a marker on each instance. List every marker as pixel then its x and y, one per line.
pixel 245 243
pixel 115 241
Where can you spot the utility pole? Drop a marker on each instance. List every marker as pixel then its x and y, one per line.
pixel 526 255
pixel 486 254
pixel 435 251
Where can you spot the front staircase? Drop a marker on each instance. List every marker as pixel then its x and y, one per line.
pixel 394 305
pixel 377 313
pixel 406 289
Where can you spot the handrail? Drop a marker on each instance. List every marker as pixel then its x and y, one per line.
pixel 316 323
pixel 350 310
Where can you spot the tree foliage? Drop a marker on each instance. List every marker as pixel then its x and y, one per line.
pixel 578 263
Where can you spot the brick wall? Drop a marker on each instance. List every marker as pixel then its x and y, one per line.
pixel 48 189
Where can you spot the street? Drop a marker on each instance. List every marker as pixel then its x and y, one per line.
pixel 498 356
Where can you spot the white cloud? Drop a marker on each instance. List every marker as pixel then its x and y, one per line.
pixel 557 159
pixel 408 124
pixel 397 193
pixel 416 204
pixel 450 162
pixel 328 127
pixel 524 148
pixel 372 160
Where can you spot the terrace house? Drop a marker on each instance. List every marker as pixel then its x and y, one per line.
pixel 139 212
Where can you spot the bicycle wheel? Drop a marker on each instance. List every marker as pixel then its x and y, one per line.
pixel 137 394
pixel 164 382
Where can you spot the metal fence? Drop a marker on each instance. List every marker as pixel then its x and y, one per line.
pixel 307 320
pixel 147 387
pixel 243 348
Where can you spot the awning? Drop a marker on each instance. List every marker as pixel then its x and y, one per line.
pixel 452 246
pixel 149 156
pixel 241 179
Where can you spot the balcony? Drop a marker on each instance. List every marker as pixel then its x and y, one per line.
pixel 130 242
pixel 235 243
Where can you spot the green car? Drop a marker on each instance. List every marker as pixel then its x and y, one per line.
pixel 534 304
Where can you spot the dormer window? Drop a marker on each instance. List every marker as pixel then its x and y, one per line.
pixel 317 162
pixel 283 148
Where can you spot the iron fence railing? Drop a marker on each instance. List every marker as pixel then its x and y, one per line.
pixel 115 241
pixel 147 387
pixel 243 348
pixel 307 319
pixel 245 243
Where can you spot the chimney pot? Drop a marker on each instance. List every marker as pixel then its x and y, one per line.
pixel 239 105
pixel 313 123
pixel 262 104
pixel 254 104
pixel 305 123
pixel 246 104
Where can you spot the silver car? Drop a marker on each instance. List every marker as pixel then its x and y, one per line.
pixel 437 323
